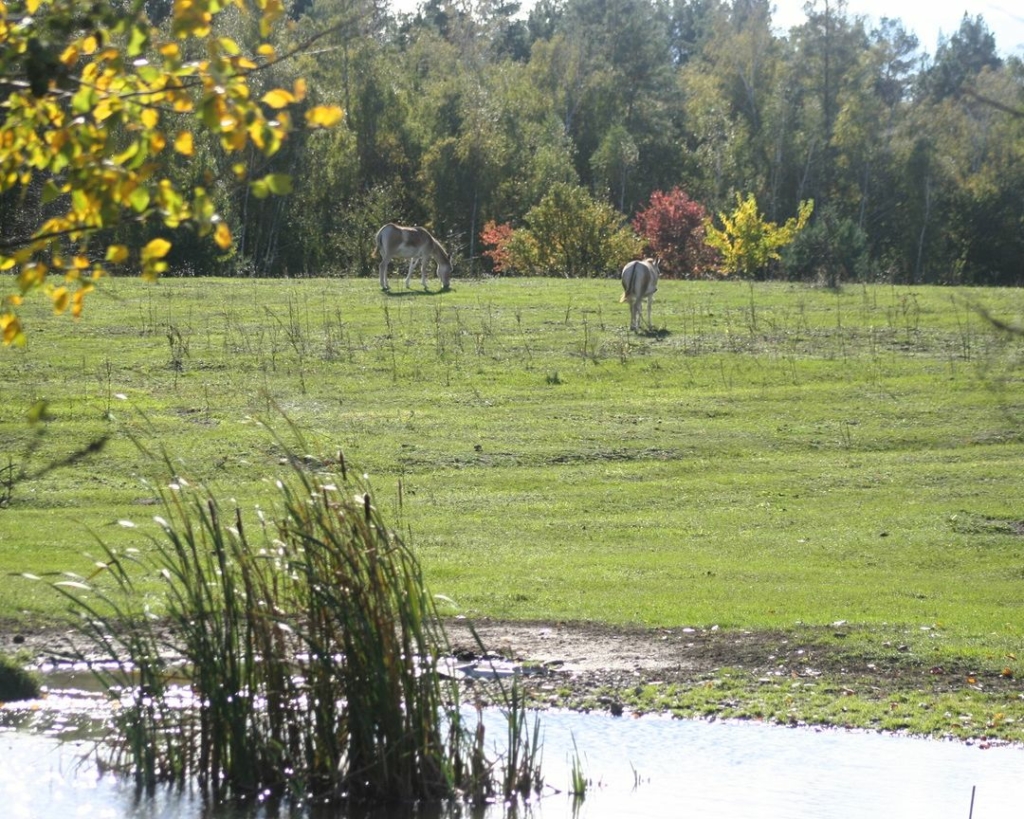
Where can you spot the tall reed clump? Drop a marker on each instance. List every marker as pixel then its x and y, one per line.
pixel 310 646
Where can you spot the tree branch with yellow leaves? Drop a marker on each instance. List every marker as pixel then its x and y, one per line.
pixel 94 105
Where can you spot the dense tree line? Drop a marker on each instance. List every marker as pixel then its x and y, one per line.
pixel 469 116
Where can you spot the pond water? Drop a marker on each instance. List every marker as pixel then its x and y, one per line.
pixel 647 767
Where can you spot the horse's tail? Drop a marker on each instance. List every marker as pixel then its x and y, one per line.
pixel 628 277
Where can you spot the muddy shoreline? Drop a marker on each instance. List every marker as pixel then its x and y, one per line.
pixel 597 667
pixel 588 651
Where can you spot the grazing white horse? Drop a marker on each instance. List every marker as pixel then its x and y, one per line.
pixel 639 282
pixel 415 244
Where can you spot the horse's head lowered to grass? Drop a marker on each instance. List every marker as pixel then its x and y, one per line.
pixel 416 244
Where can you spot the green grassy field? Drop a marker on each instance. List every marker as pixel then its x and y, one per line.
pixel 772 455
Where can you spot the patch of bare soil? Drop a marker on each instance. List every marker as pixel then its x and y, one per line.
pixel 585 648
pixel 668 655
pixel 581 659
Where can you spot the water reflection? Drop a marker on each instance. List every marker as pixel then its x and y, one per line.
pixel 650 767
pixel 685 768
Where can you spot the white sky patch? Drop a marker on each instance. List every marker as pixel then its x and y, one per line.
pixel 928 20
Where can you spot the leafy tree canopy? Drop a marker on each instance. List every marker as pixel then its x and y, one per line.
pixel 93 100
pixel 961 58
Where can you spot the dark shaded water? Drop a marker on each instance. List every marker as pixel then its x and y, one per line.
pixel 649 767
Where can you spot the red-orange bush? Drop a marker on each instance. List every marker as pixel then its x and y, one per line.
pixel 495 238
pixel 673 228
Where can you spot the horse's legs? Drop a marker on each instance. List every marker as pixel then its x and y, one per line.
pixel 423 271
pixel 408 275
pixel 650 301
pixel 383 272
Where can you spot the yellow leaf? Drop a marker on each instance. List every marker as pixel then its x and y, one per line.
pixel 278 98
pixel 259 189
pixel 300 89
pixel 70 55
pixel 90 44
pixel 60 298
pixel 129 153
pixel 266 50
pixel 279 183
pixel 234 140
pixel 117 254
pixel 78 300
pixel 105 108
pixel 32 275
pixel 229 46
pixel 151 270
pixel 228 123
pixel 256 135
pixel 150 117
pixel 12 330
pixel 155 249
pixel 183 143
pixel 222 236
pixel 324 116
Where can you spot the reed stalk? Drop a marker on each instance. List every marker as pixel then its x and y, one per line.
pixel 311 648
pixel 578 779
pixel 523 769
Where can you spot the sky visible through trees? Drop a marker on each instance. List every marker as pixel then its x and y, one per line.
pixel 929 20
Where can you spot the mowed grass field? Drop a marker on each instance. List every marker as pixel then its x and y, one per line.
pixel 772 455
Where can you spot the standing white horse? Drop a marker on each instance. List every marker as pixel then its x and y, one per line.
pixel 415 244
pixel 639 282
